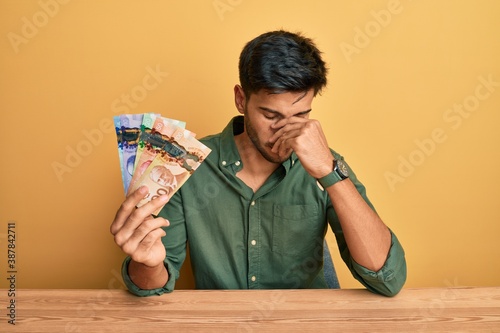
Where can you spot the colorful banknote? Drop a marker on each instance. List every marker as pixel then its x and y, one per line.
pixel 156 152
pixel 148 120
pixel 118 129
pixel 154 132
pixel 131 128
pixel 178 158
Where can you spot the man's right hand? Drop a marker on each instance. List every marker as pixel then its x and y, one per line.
pixel 137 232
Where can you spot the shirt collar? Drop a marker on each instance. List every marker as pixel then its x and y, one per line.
pixel 229 152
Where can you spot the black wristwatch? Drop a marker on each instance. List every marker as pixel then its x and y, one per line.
pixel 340 172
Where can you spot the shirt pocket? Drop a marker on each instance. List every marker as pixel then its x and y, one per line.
pixel 297 229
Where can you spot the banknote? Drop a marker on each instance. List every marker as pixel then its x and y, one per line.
pixel 151 142
pixel 130 130
pixel 178 158
pixel 148 120
pixel 118 129
pixel 146 127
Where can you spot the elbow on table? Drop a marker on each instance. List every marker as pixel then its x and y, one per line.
pixel 392 284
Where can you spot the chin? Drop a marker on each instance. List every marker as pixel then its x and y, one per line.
pixel 275 158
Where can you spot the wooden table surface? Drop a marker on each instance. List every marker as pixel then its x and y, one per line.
pixel 412 310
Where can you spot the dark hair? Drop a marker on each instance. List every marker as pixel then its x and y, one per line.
pixel 281 61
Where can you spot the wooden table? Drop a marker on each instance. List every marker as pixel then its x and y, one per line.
pixel 413 310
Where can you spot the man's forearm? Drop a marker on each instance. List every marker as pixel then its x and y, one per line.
pixel 367 237
pixel 146 277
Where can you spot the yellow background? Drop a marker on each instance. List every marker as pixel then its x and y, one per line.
pixel 393 81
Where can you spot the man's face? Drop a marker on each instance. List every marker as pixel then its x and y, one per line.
pixel 264 109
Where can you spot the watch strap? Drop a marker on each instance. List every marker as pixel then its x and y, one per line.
pixel 333 177
pixel 330 179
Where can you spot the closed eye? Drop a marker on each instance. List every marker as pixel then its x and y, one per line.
pixel 303 114
pixel 274 115
pixel 270 116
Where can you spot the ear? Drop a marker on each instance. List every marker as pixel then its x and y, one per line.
pixel 239 98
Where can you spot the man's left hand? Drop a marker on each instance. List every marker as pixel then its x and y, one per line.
pixel 306 138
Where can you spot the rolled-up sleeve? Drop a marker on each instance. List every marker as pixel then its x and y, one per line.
pixel 388 280
pixel 134 289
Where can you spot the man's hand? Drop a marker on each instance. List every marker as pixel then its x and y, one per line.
pixel 137 233
pixel 306 138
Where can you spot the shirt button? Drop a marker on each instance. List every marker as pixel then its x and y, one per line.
pixel 253 203
pixel 237 163
pixel 253 278
pixel 253 242
pixel 224 162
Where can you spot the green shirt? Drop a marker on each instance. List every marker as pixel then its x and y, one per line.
pixel 270 239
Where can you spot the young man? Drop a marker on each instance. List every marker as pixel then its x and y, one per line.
pixel 256 211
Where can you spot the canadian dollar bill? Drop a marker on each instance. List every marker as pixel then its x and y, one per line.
pixel 118 129
pixel 180 155
pixel 148 120
pixel 151 142
pixel 130 130
pixel 146 127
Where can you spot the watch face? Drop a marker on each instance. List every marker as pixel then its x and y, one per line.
pixel 342 168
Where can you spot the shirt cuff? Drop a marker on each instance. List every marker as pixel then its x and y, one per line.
pixel 388 280
pixel 167 288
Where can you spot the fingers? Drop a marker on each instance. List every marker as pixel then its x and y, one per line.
pixel 285 126
pixel 285 144
pixel 284 139
pixel 140 223
pixel 137 232
pixel 143 244
pixel 303 136
pixel 150 250
pixel 150 239
pixel 127 207
pixel 129 215
pixel 140 214
pixel 148 232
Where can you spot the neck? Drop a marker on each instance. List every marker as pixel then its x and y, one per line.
pixel 256 169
